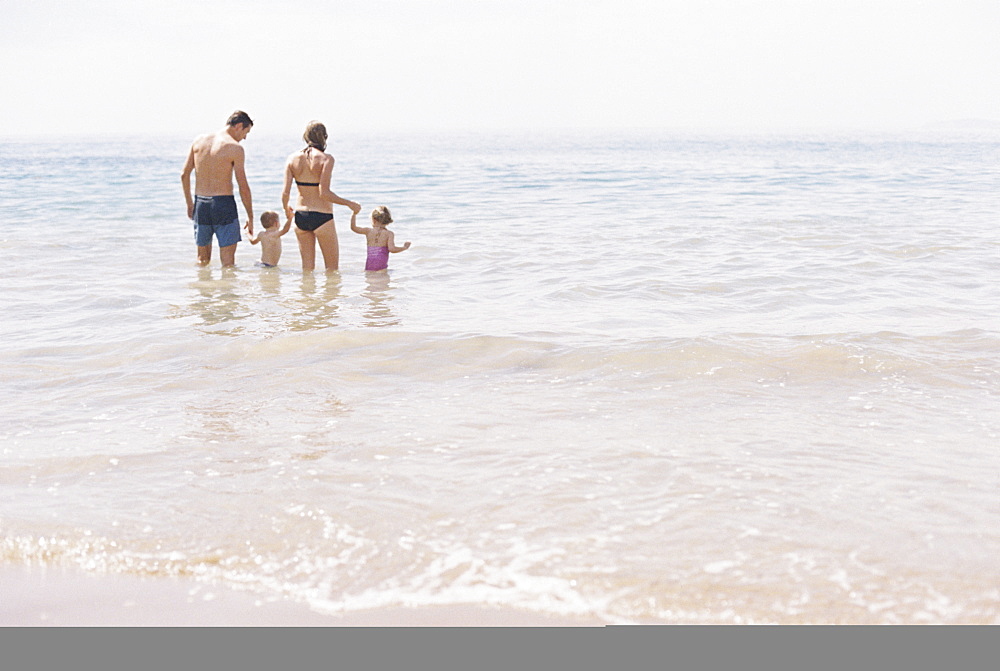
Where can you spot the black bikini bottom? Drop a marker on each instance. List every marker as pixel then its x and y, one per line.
pixel 310 221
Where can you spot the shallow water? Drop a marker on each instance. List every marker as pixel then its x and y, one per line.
pixel 644 377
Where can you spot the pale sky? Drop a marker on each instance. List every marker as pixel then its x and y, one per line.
pixel 181 66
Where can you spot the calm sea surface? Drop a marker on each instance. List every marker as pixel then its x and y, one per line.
pixel 648 378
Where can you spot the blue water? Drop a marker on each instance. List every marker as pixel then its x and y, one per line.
pixel 637 376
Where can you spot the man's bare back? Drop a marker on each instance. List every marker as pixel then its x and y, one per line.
pixel 214 159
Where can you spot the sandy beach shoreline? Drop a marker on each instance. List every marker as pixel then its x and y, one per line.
pixel 61 597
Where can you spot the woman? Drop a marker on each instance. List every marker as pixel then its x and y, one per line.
pixel 310 169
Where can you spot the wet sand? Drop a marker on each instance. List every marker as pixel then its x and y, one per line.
pixel 57 597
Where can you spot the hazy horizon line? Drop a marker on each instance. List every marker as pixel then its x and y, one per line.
pixel 966 124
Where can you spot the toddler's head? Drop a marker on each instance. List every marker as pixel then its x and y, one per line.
pixel 381 216
pixel 269 219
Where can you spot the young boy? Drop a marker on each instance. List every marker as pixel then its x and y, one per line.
pixel 270 239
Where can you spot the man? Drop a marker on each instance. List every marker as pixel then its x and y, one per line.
pixel 215 158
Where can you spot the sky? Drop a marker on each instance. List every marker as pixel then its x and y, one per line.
pixel 182 66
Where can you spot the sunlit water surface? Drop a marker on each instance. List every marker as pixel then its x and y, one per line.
pixel 647 378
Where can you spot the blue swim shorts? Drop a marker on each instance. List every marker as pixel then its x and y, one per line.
pixel 216 215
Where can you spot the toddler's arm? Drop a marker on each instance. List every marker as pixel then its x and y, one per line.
pixel 288 225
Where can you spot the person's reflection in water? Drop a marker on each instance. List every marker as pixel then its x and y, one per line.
pixel 378 312
pixel 319 306
pixel 218 301
pixel 270 281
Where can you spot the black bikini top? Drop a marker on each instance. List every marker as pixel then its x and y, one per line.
pixel 311 146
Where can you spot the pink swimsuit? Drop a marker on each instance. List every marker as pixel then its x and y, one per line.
pixel 378 258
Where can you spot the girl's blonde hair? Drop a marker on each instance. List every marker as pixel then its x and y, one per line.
pixel 381 215
pixel 315 135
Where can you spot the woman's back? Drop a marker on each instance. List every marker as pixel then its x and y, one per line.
pixel 307 167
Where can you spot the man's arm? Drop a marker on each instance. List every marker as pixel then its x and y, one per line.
pixel 186 182
pixel 239 170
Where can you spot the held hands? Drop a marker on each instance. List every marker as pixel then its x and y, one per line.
pixel 355 207
pixel 249 226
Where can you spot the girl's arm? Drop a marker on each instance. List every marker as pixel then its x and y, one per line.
pixel 391 244
pixel 354 225
pixel 326 193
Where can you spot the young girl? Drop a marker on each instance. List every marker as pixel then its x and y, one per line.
pixel 381 241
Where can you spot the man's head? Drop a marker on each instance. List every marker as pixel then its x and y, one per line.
pixel 239 124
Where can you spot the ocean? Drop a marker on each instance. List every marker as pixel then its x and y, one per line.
pixel 643 377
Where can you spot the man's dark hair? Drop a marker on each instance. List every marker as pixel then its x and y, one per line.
pixel 240 117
